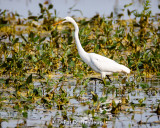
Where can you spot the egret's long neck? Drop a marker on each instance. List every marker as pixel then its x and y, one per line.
pixel 81 51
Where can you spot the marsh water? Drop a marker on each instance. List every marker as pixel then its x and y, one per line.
pixel 138 106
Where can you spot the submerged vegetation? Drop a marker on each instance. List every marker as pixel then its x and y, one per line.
pixel 40 65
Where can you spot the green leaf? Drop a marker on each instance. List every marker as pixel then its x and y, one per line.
pixel 128 11
pixel 36 39
pixel 16 40
pixel 103 99
pixel 40 17
pixel 25 114
pixel 111 15
pixel 54 33
pixel 29 79
pixel 72 64
pixel 68 52
pixel 144 85
pixel 33 17
pixel 42 39
pixel 31 35
pixel 94 97
pixel 127 5
pixel 50 6
pixel 40 5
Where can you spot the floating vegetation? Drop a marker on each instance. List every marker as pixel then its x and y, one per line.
pixel 44 83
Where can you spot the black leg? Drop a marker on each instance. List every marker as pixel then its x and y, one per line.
pixel 108 78
pixel 95 86
pixel 93 78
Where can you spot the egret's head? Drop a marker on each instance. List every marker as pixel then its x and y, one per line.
pixel 68 19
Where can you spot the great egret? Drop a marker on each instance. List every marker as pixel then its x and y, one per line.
pixel 98 63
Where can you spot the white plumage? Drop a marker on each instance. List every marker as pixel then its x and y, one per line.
pixel 98 63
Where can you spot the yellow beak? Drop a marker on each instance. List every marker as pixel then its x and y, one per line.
pixel 58 22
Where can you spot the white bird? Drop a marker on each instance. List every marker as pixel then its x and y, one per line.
pixel 98 63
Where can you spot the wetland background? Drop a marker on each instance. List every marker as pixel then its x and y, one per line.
pixel 44 83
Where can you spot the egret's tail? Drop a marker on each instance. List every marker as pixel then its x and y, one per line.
pixel 125 69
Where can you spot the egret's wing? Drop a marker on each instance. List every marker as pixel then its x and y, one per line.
pixel 104 64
